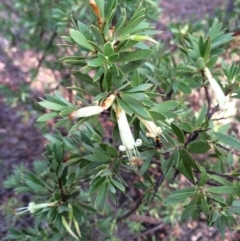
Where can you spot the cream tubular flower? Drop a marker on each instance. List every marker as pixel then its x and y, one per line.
pixel 222 99
pixel 86 111
pixel 32 207
pixel 153 129
pixel 129 145
pixel 93 110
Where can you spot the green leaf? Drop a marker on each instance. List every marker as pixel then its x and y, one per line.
pixel 201 116
pixel 212 61
pixel 188 160
pixel 83 77
pixel 106 172
pixel 97 34
pixel 140 54
pixel 224 190
pixel 203 177
pixel 220 179
pixel 228 140
pixel 207 49
pixel 147 157
pixel 113 58
pixel 135 79
pixel 178 132
pixel 157 116
pixel 130 28
pixel 108 49
pixel 188 211
pixel 112 151
pixel 95 62
pixel 177 198
pixel 136 106
pixel 139 88
pixel 184 88
pixel 230 159
pixel 80 39
pixel 173 160
pixel 198 147
pixel 186 126
pixel 130 67
pixel 118 185
pixel 125 106
pixel 204 205
pixel 186 170
pixel 120 24
pixel 96 184
pixel 47 117
pixel 111 5
pixel 200 63
pixel 165 106
pixel 52 106
pixel 102 197
pixel 84 30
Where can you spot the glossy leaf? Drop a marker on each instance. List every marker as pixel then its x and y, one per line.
pixel 198 147
pixel 228 140
pixel 224 190
pixel 175 198
pixel 178 132
pixel 165 106
pixel 80 39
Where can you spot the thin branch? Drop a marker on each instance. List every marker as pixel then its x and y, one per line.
pixel 226 176
pixel 152 230
pixel 63 196
pixel 46 49
pixel 131 211
pixel 213 111
pixel 144 219
pixel 227 149
pixel 158 184
pixel 221 118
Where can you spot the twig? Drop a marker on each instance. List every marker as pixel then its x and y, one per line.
pixel 158 184
pixel 131 211
pixel 213 111
pixel 228 177
pixel 46 49
pixel 144 219
pixel 152 230
pixel 222 118
pixel 227 149
pixel 175 176
pixel 63 196
pixel 224 175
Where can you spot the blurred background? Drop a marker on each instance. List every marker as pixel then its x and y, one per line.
pixel 29 67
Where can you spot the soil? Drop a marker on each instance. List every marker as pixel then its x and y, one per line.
pixel 22 142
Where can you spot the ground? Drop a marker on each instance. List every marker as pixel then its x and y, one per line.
pixel 22 142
